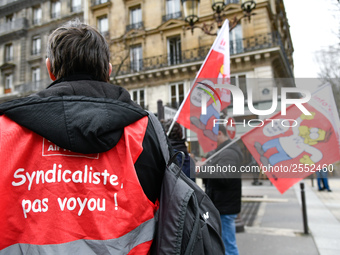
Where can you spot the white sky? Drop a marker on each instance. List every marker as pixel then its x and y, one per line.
pixel 313 26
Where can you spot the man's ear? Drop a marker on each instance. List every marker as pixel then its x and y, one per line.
pixel 110 69
pixel 48 65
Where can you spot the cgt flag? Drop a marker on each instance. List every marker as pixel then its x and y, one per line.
pixel 193 113
pixel 291 147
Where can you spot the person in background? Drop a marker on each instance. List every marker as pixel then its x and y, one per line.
pixel 226 190
pixel 81 165
pixel 178 144
pixel 322 178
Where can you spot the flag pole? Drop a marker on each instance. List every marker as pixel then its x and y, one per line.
pixel 177 113
pixel 226 23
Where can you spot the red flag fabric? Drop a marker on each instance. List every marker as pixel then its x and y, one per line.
pixel 291 147
pixel 215 69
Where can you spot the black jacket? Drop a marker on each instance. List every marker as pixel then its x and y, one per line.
pixel 88 116
pixel 226 192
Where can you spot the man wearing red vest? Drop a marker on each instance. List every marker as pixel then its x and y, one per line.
pixel 81 167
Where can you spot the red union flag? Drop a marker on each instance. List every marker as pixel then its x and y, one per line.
pixel 290 147
pixel 215 69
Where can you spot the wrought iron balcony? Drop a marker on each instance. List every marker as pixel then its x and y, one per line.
pixel 9 58
pixel 258 42
pixel 77 8
pixel 232 2
pixel 145 64
pixel 55 15
pixel 36 51
pixel 253 43
pixel 36 21
pixel 5 2
pixel 169 16
pixel 98 2
pixel 243 45
pixel 136 25
pixel 16 25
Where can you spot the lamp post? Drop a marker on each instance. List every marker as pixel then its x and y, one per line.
pixel 191 8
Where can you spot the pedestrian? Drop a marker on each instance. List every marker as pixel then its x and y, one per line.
pixel 225 189
pixel 178 144
pixel 81 166
pixel 322 178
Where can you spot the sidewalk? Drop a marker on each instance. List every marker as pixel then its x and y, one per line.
pixel 274 224
pixel 324 216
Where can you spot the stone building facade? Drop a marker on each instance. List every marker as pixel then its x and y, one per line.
pixel 24 29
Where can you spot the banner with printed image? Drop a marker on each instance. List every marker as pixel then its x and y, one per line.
pixel 215 69
pixel 290 147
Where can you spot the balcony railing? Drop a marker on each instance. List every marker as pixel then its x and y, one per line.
pixel 5 2
pixel 136 25
pixel 253 43
pixel 244 45
pixel 98 2
pixel 258 42
pixel 232 2
pixel 8 59
pixel 13 26
pixel 169 16
pixel 55 15
pixel 36 21
pixel 160 61
pixel 77 8
pixel 35 52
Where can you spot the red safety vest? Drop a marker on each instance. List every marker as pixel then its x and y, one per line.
pixel 51 197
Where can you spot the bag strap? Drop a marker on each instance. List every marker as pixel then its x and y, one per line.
pixel 169 161
pixel 193 235
pixel 164 144
pixel 161 136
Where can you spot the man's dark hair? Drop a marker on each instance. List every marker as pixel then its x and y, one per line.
pixel 176 131
pixel 76 48
pixel 222 129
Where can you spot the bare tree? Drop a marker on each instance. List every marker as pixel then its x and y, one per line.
pixel 120 56
pixel 329 60
pixel 122 52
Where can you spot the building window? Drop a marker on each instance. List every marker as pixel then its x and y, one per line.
pixel 37 14
pixel 236 43
pixel 136 58
pixel 9 53
pixel 103 25
pixel 36 78
pixel 36 45
pixel 240 81
pixel 76 6
pixel 138 96
pixel 174 51
pixel 8 83
pixel 55 9
pixel 176 95
pixel 97 2
pixel 135 18
pixel 9 18
pixel 173 10
pixel 231 2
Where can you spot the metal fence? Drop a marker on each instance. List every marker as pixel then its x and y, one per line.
pixel 17 24
pixel 243 45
